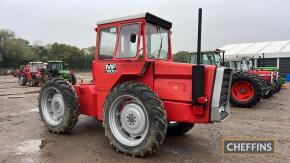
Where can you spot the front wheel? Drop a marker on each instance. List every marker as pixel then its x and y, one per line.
pixel 134 119
pixel 58 106
pixel 22 79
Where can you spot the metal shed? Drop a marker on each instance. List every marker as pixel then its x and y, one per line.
pixel 277 53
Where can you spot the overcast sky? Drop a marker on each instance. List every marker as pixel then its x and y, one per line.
pixel 224 21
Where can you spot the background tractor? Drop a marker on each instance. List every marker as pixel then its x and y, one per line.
pixel 31 73
pixel 138 92
pixel 248 85
pixel 55 69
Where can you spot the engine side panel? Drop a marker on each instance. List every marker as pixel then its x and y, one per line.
pixel 173 84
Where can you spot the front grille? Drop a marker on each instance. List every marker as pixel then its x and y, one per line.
pixel 225 87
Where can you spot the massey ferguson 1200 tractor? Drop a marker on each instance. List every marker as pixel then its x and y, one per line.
pixel 137 91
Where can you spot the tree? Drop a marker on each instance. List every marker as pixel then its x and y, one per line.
pixel 182 56
pixel 16 51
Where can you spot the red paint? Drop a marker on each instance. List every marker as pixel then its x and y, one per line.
pixel 266 75
pixel 171 81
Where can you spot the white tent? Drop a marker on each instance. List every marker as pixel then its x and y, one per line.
pixel 275 49
pixel 276 53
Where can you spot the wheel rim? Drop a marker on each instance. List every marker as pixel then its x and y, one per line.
pixel 128 120
pixel 21 80
pixel 52 105
pixel 242 90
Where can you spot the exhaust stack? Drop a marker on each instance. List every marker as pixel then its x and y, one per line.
pixel 199 36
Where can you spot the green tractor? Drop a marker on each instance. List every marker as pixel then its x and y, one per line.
pixel 56 69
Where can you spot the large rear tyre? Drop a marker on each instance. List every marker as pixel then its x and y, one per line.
pixel 134 119
pixel 58 106
pixel 277 85
pixel 245 91
pixel 271 92
pixel 178 128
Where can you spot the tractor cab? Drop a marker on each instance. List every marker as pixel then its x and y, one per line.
pixel 59 69
pixel 208 57
pixel 139 37
pixel 36 66
pixel 54 66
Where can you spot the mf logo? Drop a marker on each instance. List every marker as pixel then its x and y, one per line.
pixel 222 109
pixel 110 68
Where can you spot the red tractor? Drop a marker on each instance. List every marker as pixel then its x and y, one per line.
pixel 137 91
pixel 31 73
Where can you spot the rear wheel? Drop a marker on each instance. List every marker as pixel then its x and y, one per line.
pixel 279 86
pixel 134 119
pixel 178 128
pixel 245 91
pixel 58 106
pixel 73 79
pixel 33 82
pixel 271 91
pixel 22 79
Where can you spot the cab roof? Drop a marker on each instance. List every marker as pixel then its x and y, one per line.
pixel 150 18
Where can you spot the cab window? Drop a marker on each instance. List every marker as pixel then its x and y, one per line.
pixel 157 42
pixel 108 37
pixel 128 41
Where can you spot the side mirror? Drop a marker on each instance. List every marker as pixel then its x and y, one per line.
pixel 133 38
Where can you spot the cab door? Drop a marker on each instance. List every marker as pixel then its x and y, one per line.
pixel 120 54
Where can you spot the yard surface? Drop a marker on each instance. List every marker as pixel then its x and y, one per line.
pixel 24 138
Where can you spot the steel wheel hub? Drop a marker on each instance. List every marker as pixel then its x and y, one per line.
pixel 133 119
pixel 21 79
pixel 52 105
pixel 242 90
pixel 128 120
pixel 57 105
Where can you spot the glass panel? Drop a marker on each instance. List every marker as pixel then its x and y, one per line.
pixel 128 41
pixel 157 42
pixel 108 37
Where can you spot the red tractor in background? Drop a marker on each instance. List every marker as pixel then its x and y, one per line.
pixel 31 73
pixel 137 91
pixel 248 85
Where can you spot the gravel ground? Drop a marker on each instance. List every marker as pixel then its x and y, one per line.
pixel 23 137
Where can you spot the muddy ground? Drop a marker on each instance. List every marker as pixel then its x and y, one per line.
pixel 23 137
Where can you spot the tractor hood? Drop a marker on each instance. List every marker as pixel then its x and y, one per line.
pixel 63 71
pixel 205 89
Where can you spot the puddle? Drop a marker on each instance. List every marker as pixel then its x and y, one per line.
pixel 31 146
pixel 4 119
pixel 34 110
pixel 177 150
pixel 4 88
pixel 27 92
